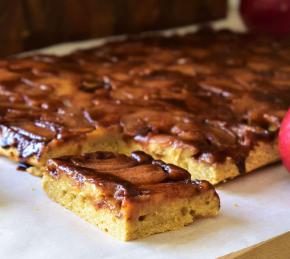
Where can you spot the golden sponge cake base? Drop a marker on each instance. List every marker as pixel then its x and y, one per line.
pixel 149 217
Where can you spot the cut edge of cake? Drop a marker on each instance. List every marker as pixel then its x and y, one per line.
pixel 262 154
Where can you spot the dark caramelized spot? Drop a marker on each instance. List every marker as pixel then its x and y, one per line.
pixel 176 173
pixel 91 85
pixel 98 155
pixel 240 163
pixel 22 166
pixel 141 218
pixel 141 157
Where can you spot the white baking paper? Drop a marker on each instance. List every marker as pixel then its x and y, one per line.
pixel 255 207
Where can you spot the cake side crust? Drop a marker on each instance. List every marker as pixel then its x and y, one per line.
pixel 262 154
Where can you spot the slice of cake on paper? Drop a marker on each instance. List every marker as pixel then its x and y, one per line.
pixel 128 197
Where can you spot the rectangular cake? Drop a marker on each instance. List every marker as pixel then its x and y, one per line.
pixel 128 197
pixel 210 102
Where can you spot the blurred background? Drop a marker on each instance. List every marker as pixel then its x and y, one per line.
pixel 31 24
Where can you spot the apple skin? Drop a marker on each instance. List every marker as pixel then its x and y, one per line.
pixel 284 141
pixel 267 16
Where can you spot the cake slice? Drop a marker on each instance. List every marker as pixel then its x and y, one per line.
pixel 128 197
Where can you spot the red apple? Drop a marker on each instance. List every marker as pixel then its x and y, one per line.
pixel 284 140
pixel 267 16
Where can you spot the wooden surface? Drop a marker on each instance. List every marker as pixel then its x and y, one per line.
pixel 274 248
pixel 30 24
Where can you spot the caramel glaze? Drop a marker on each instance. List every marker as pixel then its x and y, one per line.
pixel 127 182
pixel 123 178
pixel 218 93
